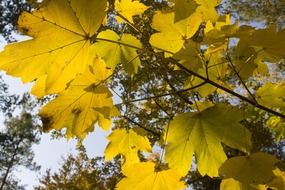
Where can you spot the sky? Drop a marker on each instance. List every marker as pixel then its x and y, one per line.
pixel 49 153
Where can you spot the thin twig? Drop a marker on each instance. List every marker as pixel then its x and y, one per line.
pixel 140 126
pixel 167 94
pixel 129 23
pixel 239 77
pixel 177 92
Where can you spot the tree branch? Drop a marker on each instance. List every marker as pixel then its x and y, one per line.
pixel 140 126
pixel 201 77
pixel 167 94
pixel 239 77
pixel 229 91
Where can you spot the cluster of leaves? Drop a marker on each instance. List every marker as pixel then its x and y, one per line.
pixel 186 77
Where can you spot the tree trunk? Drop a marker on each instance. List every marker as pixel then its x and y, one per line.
pixel 10 165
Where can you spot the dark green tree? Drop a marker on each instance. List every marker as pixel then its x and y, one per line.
pixel 20 133
pixel 10 11
pixel 269 12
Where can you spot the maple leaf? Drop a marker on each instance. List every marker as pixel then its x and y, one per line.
pixel 249 170
pixel 207 9
pixel 127 143
pixel 124 51
pixel 184 8
pixel 272 95
pixel 174 32
pixel 277 125
pixel 129 8
pixel 202 133
pixel 278 181
pixel 171 35
pixel 245 62
pixel 60 47
pixel 270 40
pixel 216 67
pixel 230 184
pixel 190 56
pixel 145 176
pixel 85 102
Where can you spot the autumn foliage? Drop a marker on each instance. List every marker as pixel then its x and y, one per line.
pixel 204 73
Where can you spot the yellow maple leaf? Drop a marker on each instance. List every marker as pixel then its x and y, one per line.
pixel 190 56
pixel 230 184
pixel 278 181
pixel 277 126
pixel 60 48
pixel 184 8
pixel 143 176
pixel 127 143
pixel 207 9
pixel 250 171
pixel 85 102
pixel 124 51
pixel 171 35
pixel 202 133
pixel 128 9
pixel 271 95
pixel 270 40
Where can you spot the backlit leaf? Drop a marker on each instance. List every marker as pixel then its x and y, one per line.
pixel 127 143
pixel 250 170
pixel 271 95
pixel 230 184
pixel 277 125
pixel 278 181
pixel 171 35
pixel 85 102
pixel 124 51
pixel 270 40
pixel 144 176
pixel 207 9
pixel 129 8
pixel 190 56
pixel 202 133
pixel 184 8
pixel 60 47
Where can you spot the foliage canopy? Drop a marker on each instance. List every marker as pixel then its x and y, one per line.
pixel 185 79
